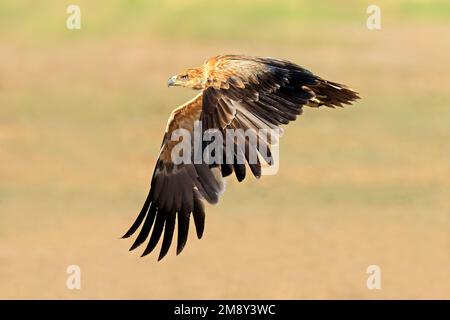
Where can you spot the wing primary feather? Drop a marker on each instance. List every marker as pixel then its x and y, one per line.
pixel 183 228
pixel 157 231
pixel 168 193
pixel 140 217
pixel 226 169
pixel 199 216
pixel 168 234
pixel 239 170
pixel 143 234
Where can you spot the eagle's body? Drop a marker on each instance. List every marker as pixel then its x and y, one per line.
pixel 238 92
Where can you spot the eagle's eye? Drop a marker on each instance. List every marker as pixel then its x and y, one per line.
pixel 184 77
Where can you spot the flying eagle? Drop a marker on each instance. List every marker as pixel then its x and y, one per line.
pixel 237 92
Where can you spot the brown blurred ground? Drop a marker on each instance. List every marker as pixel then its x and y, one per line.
pixel 80 127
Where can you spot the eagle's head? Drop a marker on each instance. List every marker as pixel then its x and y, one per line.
pixel 191 78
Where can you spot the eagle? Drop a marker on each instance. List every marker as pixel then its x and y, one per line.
pixel 236 92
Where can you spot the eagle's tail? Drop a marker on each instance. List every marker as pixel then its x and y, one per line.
pixel 330 94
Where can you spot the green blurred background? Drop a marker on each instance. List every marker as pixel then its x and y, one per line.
pixel 82 113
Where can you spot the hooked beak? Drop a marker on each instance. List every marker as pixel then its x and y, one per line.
pixel 171 82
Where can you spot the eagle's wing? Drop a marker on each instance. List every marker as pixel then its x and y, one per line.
pixel 176 190
pixel 262 93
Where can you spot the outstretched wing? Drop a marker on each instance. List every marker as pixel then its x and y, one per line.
pixel 252 93
pixel 176 190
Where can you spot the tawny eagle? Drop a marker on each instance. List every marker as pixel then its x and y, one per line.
pixel 237 92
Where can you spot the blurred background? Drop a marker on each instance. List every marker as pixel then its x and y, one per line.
pixel 82 113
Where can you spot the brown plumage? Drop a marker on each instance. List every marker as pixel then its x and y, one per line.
pixel 238 92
